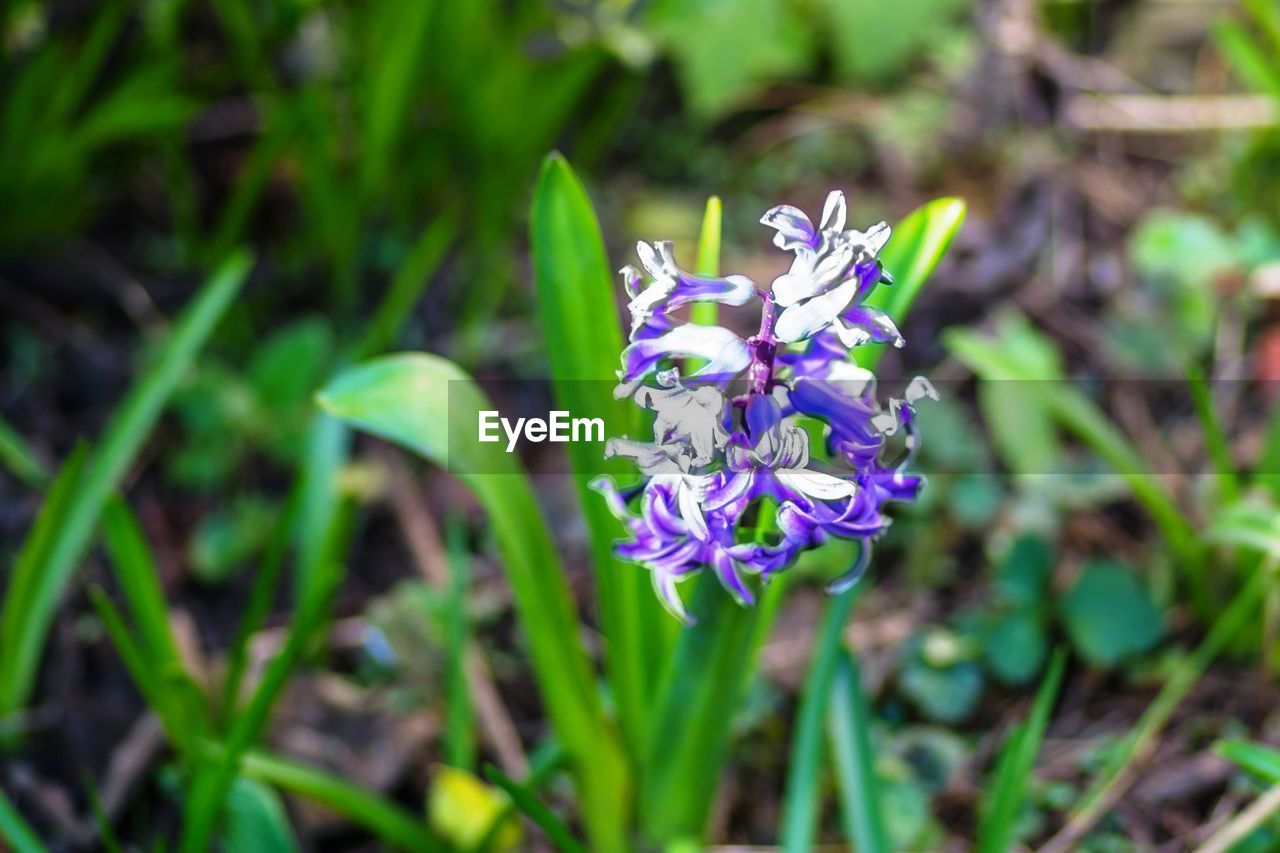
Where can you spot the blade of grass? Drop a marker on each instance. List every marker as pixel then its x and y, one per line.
pixel 918 244
pixel 802 798
pixel 534 809
pixel 849 724
pixel 410 280
pixel 393 824
pixel 1115 775
pixel 261 595
pixel 1247 58
pixel 1003 800
pixel 708 259
pixel 35 550
pixel 1243 824
pixel 209 790
pixel 328 448
pixel 177 700
pixel 460 734
pixel 576 305
pixel 1215 441
pixel 18 458
pixel 1258 758
pixel 140 668
pixel 140 581
pixel 27 617
pixel 545 761
pixel 15 831
pixel 413 399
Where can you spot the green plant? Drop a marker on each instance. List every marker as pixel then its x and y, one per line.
pixel 671 757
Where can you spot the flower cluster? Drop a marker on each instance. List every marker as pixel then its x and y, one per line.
pixel 728 481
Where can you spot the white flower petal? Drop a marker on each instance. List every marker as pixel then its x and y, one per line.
pixel 833 213
pixel 815 484
pixel 688 499
pixel 807 318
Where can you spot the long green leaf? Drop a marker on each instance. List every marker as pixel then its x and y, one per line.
pixel 708 259
pixel 14 830
pixel 579 310
pixel 27 617
pixel 389 821
pixel 412 399
pixel 140 580
pixel 18 458
pixel 174 695
pixel 410 280
pixel 919 241
pixel 1258 758
pixel 802 799
pixel 1002 802
pixel 534 809
pixel 849 722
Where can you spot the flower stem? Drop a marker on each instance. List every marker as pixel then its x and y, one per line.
pixel 763 348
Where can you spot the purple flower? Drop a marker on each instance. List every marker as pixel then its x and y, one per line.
pixel 716 461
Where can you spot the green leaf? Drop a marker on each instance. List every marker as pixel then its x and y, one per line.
pixel 287 365
pixel 28 614
pixel 16 455
pixel 689 734
pixel 15 831
pixel 720 58
pixel 1249 523
pixel 1014 646
pixel 412 399
pixel 919 241
pixel 1259 759
pixel 173 694
pixel 256 820
pixel 872 45
pixel 229 537
pixel 577 308
pixel 1248 59
pixel 1110 615
pixel 1022 578
pixel 802 798
pixel 385 818
pixel 409 282
pixel 708 259
pixel 534 809
pixel 849 725
pixel 1008 791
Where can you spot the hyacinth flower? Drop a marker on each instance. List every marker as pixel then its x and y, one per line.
pixel 727 447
